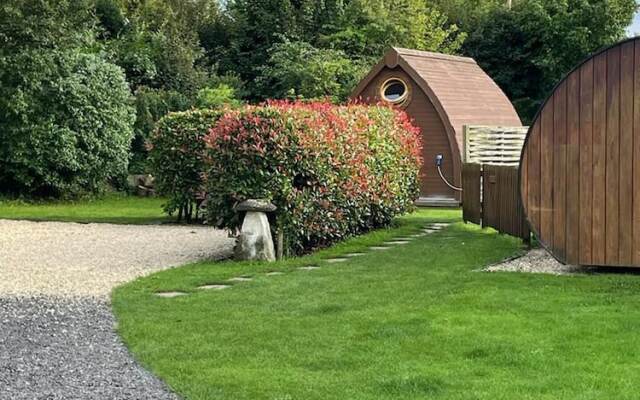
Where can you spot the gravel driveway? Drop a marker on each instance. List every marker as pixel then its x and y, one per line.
pixel 57 338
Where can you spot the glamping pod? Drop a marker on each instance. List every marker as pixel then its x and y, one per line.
pixel 580 166
pixel 442 93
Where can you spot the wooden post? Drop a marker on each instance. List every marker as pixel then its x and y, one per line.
pixel 280 243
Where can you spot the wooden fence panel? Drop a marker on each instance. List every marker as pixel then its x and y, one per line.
pixel 471 201
pixel 495 145
pixel 499 203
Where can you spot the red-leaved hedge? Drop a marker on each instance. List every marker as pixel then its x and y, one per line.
pixel 332 171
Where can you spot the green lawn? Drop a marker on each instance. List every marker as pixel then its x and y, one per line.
pixel 113 208
pixel 415 322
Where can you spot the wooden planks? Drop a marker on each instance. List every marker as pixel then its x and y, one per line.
pixel 612 162
pixel 501 207
pixel 546 176
pixel 559 153
pixel 625 203
pixel 598 167
pixel 580 177
pixel 532 162
pixel 572 173
pixel 586 164
pixel 471 206
pixel 636 155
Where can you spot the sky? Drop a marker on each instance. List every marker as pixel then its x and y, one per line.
pixel 634 28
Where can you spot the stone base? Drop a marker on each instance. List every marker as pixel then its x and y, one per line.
pixel 255 242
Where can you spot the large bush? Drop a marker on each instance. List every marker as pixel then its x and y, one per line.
pixel 65 113
pixel 332 171
pixel 69 133
pixel 177 158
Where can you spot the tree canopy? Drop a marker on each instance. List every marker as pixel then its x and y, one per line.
pixel 173 55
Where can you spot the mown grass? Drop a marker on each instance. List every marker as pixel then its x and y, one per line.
pixel 415 322
pixel 112 208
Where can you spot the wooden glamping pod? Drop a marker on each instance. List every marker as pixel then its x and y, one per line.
pixel 580 167
pixel 442 93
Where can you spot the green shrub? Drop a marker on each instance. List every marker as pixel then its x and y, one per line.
pixel 64 131
pixel 177 158
pixel 332 171
pixel 151 105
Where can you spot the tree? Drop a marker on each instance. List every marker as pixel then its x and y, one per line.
pixel 157 43
pixel 369 27
pixel 65 113
pixel 297 69
pixel 247 37
pixel 528 48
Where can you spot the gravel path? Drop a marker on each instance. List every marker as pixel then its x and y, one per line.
pixel 57 338
pixel 90 259
pixel 537 261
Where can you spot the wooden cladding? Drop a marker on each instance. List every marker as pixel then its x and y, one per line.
pixel 471 193
pixel 580 168
pixel 497 204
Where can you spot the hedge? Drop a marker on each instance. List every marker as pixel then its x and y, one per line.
pixel 332 171
pixel 177 159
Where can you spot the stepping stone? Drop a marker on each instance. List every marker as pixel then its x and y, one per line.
pixel 419 235
pixel 350 255
pixel 430 230
pixel 213 287
pixel 240 279
pixel 273 273
pixel 397 242
pixel 308 268
pixel 378 248
pixel 336 260
pixel 169 295
pixel 440 224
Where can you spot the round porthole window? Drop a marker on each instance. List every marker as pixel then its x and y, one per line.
pixel 394 91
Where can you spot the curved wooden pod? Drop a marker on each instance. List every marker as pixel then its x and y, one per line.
pixel 580 166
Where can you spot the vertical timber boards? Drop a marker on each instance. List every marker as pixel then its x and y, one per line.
pixel 471 205
pixel 580 171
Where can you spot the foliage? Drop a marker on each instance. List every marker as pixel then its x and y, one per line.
pixel 332 171
pixel 254 33
pixel 528 48
pixel 151 105
pixel 216 97
pixel 65 113
pixel 297 69
pixel 368 28
pixel 157 44
pixel 177 159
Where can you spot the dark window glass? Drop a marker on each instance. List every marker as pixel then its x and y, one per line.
pixel 394 90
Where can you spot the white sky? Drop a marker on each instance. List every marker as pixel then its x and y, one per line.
pixel 634 28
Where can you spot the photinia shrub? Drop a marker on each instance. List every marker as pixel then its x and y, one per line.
pixel 177 158
pixel 332 171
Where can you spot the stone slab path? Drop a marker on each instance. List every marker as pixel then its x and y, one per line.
pixel 57 337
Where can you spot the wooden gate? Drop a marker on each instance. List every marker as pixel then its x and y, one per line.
pixel 491 198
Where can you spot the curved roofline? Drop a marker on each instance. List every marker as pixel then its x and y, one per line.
pixel 392 60
pixel 537 116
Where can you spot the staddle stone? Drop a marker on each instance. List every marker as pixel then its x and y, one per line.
pixel 257 205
